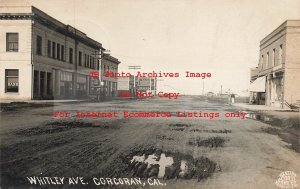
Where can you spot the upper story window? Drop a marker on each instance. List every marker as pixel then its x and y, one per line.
pixel 262 61
pixel 12 42
pixel 90 61
pixel 53 49
pixel 58 51
pixel 85 57
pixel 267 60
pixel 49 48
pixel 93 62
pixel 274 57
pixel 63 53
pixel 71 55
pixel 39 45
pixel 80 58
pixel 280 54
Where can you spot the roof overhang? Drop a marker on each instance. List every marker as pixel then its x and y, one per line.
pixel 258 85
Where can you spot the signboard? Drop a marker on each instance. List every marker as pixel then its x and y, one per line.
pixel 123 83
pixel 144 82
pixel 95 82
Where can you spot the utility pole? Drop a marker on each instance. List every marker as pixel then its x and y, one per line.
pixel 203 88
pixel 99 56
pixel 150 85
pixel 221 91
pixel 134 68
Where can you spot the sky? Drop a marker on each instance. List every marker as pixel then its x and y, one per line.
pixel 217 36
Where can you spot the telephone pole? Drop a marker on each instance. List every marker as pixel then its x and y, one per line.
pixel 134 68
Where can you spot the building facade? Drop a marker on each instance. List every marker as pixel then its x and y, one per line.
pixel 109 64
pixel 275 81
pixel 42 58
pixel 146 85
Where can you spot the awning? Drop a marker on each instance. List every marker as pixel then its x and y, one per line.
pixel 258 85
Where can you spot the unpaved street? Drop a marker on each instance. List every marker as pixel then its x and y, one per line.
pixel 181 152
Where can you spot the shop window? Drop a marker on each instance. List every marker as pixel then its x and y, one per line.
pixel 12 80
pixel 36 82
pixel 42 83
pixel 49 78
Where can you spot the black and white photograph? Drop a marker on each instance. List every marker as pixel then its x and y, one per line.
pixel 149 94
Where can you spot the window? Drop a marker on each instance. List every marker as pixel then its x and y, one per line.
pixel 49 48
pixel 267 60
pixel 49 78
pixel 53 49
pixel 58 52
pixel 262 61
pixel 42 82
pixel 280 54
pixel 273 61
pixel 12 80
pixel 85 60
pixel 39 45
pixel 71 55
pixel 63 53
pixel 12 42
pixel 80 58
pixel 93 62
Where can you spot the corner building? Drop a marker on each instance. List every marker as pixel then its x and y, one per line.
pixel 42 58
pixel 278 70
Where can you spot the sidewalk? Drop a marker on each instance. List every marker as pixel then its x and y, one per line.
pixel 259 107
pixel 38 101
pixel 16 101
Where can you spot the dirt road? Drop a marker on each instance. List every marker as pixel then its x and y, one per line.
pixel 197 152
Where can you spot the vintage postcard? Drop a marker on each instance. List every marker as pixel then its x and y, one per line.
pixel 168 94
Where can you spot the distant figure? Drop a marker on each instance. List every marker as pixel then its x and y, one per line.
pixel 98 93
pixel 232 97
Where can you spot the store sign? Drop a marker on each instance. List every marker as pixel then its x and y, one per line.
pixel 123 83
pixel 95 82
pixel 13 84
pixel 144 82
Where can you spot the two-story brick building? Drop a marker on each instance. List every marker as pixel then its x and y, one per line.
pixel 275 81
pixel 42 58
pixel 109 64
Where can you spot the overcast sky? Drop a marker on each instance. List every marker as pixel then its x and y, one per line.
pixel 217 36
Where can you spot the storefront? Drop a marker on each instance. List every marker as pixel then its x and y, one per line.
pixel 258 91
pixel 81 86
pixel 66 84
